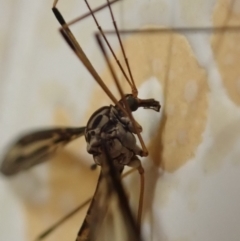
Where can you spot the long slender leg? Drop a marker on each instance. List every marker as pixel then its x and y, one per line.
pixel 53 227
pixel 87 14
pixel 108 44
pixel 91 12
pixel 72 42
pixel 134 88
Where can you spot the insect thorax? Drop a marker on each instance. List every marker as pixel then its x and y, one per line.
pixel 109 125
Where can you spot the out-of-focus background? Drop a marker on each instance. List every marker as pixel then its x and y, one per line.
pixel 193 170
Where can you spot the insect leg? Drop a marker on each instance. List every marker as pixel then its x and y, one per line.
pixel 133 85
pixel 72 42
pixel 44 234
pixel 108 44
pixel 87 14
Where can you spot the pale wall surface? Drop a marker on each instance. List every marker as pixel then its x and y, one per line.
pixel 193 171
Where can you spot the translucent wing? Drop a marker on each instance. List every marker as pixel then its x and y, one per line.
pixel 36 147
pixel 109 216
pixel 118 223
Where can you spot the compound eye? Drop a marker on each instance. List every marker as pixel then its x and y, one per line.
pixel 93 133
pixel 132 102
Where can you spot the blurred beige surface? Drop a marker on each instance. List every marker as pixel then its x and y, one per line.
pixel 193 149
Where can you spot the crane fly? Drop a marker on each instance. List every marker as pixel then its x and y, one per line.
pixel 110 135
pixel 199 107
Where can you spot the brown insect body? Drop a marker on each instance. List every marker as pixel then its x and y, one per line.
pixel 110 126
